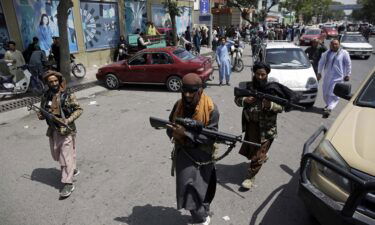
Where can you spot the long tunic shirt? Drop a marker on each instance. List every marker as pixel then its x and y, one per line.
pixel 10 57
pixel 195 186
pixel 223 61
pixel 333 66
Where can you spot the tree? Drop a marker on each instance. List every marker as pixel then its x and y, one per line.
pixel 243 5
pixel 307 8
pixel 63 10
pixel 173 11
pixel 367 13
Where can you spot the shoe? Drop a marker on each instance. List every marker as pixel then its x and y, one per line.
pixel 76 172
pixel 326 113
pixel 221 83
pixel 206 221
pixel 67 190
pixel 228 83
pixel 248 183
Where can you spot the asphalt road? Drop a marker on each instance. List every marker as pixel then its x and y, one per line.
pixel 125 165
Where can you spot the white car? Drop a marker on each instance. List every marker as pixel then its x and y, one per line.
pixel 356 45
pixel 291 67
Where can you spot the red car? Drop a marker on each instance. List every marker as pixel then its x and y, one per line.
pixel 331 32
pixel 311 34
pixel 158 66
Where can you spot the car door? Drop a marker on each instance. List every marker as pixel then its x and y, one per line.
pixel 136 68
pixel 160 67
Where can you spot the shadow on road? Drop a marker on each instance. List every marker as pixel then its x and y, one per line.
pixel 313 109
pixel 49 176
pixel 154 215
pixel 225 176
pixel 287 208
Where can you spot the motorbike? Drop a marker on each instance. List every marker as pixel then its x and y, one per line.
pixel 78 69
pixel 8 87
pixel 236 53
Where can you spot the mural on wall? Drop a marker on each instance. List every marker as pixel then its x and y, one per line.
pixel 135 16
pixel 100 24
pixel 38 18
pixel 4 35
pixel 184 20
pixel 161 18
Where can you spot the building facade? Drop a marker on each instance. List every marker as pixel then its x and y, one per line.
pixel 94 26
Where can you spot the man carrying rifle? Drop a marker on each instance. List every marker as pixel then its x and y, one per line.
pixel 62 106
pixel 195 183
pixel 259 118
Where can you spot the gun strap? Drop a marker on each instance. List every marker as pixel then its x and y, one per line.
pixel 230 148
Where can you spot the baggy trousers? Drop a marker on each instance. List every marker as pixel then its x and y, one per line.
pixel 63 150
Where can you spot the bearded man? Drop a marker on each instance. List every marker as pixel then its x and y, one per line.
pixel 195 183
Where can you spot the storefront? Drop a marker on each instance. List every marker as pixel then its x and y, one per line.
pixel 94 26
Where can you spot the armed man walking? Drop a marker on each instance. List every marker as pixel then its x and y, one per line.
pixel 335 66
pixel 259 118
pixel 314 52
pixel 195 183
pixel 63 105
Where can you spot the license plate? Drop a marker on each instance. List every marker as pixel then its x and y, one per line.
pixel 307 41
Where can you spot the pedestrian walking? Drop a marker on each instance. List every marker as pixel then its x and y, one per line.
pixel 335 66
pixel 55 49
pixel 197 38
pixel 259 119
pixel 37 61
pixel 30 48
pixel 195 184
pixel 188 34
pixel 60 103
pixel 314 52
pixel 223 61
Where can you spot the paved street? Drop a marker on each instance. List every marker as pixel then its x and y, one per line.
pixel 125 164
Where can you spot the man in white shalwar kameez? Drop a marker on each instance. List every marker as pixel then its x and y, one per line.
pixel 335 66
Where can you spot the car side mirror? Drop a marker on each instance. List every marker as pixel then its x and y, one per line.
pixel 343 90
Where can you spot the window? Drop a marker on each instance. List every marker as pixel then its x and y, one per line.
pixel 140 59
pixel 161 58
pixel 367 96
pixel 183 54
pixel 353 39
pixel 287 58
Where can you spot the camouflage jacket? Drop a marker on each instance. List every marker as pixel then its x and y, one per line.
pixel 266 118
pixel 69 108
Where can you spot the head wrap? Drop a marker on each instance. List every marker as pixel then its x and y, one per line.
pixel 59 76
pixel 261 65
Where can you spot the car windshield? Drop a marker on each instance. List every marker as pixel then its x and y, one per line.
pixel 183 54
pixel 287 58
pixel 353 39
pixel 312 32
pixel 367 96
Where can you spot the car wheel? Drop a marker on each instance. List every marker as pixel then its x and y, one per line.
pixel 174 83
pixel 367 57
pixel 111 81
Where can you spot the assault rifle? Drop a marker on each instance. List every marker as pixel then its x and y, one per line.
pixel 197 127
pixel 49 116
pixel 240 92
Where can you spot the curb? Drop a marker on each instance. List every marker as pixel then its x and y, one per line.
pixel 9 116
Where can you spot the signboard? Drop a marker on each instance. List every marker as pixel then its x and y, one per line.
pixel 345 7
pixel 204 7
